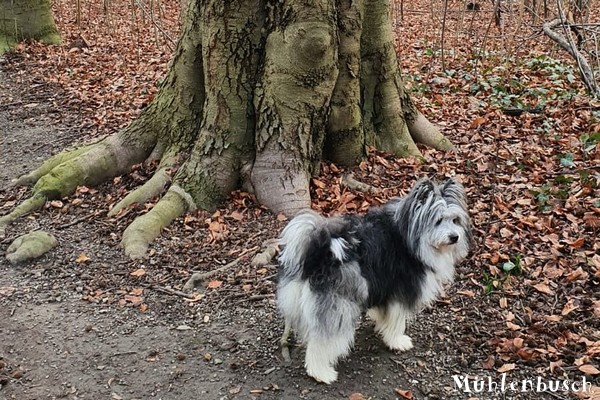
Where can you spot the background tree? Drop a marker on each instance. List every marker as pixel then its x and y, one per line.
pixel 259 91
pixel 26 19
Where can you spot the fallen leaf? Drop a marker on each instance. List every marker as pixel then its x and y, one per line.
pixel 543 288
pixel 569 307
pixel 477 122
pixel 214 284
pixel 506 368
pixel 468 293
pixel 138 272
pixel 406 394
pixel 555 364
pixel 589 369
pixel 82 258
pixel 489 362
pixel 56 203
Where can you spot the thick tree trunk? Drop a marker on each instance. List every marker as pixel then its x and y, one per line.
pixel 26 19
pixel 258 92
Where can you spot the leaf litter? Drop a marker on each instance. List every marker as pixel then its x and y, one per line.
pixel 527 301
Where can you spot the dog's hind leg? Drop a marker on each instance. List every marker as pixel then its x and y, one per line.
pixel 285 345
pixel 322 354
pixel 390 323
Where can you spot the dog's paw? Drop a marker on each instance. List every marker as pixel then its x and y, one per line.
pixel 400 343
pixel 324 374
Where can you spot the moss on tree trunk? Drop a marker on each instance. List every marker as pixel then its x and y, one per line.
pixel 259 91
pixel 26 19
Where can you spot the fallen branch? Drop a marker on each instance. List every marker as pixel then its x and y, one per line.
pixel 172 291
pixel 199 277
pixel 584 68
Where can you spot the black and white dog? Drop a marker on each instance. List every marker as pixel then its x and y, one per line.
pixel 392 262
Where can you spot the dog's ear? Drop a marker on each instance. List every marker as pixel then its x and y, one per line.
pixel 454 193
pixel 422 190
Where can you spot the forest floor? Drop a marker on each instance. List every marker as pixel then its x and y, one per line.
pixel 85 322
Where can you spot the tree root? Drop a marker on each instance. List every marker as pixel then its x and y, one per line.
pixel 32 177
pixel 153 187
pixel 144 229
pixel 285 344
pixel 33 203
pixel 350 182
pixel 424 132
pixel 271 248
pixel 88 165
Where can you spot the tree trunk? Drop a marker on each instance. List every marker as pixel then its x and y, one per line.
pixel 259 91
pixel 26 19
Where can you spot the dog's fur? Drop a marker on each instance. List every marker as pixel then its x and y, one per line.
pixel 391 262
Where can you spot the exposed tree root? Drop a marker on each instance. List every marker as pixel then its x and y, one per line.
pixel 284 342
pixel 89 165
pixel 153 187
pixel 32 177
pixel 424 132
pixel 145 228
pixel 350 182
pixel 33 203
pixel 270 249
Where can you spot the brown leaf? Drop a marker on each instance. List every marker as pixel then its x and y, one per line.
pixel 138 272
pixel 512 327
pixel 555 364
pixel 281 217
pixel 214 284
pixel 56 204
pixel 589 369
pixel 477 122
pixel 506 368
pixel 238 216
pixel 543 288
pixel 137 291
pixel 577 243
pixel 596 308
pixel 578 274
pixel 406 394
pixel 468 293
pixel 489 362
pixel 135 300
pixel 569 307
pixel 82 258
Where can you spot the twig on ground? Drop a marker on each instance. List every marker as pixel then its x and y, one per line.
pixel 171 291
pixel 78 220
pixel 198 277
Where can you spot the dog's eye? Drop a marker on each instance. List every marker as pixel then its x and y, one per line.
pixel 456 220
pixel 439 221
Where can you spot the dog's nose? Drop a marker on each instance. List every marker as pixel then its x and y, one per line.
pixel 453 238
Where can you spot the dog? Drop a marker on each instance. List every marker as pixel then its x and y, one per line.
pixel 391 262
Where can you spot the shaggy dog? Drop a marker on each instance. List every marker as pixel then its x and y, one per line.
pixel 391 262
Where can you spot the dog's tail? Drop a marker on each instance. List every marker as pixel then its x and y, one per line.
pixel 305 235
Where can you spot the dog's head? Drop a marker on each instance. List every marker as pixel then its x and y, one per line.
pixel 435 220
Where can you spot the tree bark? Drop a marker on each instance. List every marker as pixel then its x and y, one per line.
pixel 26 19
pixel 259 91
